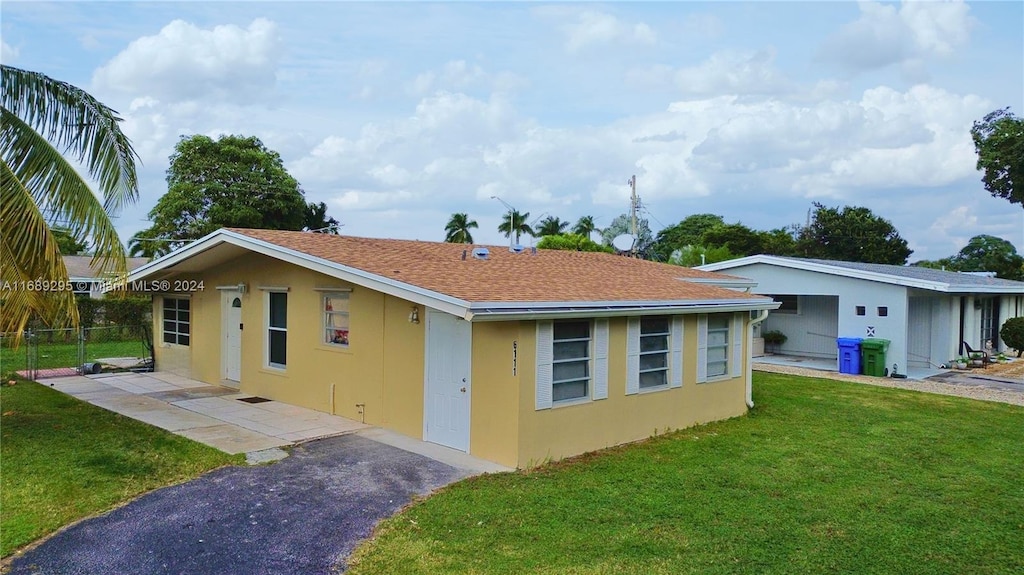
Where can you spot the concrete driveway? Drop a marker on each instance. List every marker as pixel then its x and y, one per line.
pixel 304 515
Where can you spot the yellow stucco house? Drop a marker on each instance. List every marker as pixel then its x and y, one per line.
pixel 517 358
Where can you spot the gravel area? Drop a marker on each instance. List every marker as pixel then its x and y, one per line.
pixel 1002 383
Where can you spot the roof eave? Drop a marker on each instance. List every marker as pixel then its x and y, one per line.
pixel 831 270
pixel 503 311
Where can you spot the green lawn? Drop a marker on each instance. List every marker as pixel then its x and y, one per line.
pixel 62 459
pixel 821 477
pixel 66 354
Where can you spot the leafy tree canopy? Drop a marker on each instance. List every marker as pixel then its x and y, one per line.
pixel 572 242
pixel 852 234
pixel 737 238
pixel 983 253
pixel 986 253
pixel 999 143
pixel 234 181
pixel 696 255
pixel 778 242
pixel 690 231
pixel 68 244
pixel 457 229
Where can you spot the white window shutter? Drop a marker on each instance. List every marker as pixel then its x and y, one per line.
pixel 601 359
pixel 545 355
pixel 676 345
pixel 702 348
pixel 632 355
pixel 737 345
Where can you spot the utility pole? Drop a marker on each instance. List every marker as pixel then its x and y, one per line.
pixel 512 233
pixel 632 215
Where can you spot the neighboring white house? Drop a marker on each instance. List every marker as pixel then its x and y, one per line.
pixel 925 313
pixel 85 280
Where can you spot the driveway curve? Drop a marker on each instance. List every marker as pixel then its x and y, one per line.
pixel 303 514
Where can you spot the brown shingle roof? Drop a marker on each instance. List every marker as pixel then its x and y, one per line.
pixel 547 276
pixel 80 266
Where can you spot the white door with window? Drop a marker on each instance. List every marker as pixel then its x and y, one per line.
pixel 447 382
pixel 231 340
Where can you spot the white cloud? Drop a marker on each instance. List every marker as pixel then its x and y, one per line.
pixel 460 76
pixel 732 72
pixel 185 62
pixel 884 35
pixel 597 28
pixel 8 53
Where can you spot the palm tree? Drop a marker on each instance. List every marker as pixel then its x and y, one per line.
pixel 148 244
pixel 41 119
pixel 551 226
pixel 518 223
pixel 458 229
pixel 584 226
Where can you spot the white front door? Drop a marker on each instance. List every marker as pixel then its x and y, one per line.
pixel 231 340
pixel 447 382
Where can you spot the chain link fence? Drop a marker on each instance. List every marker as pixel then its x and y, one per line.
pixel 59 352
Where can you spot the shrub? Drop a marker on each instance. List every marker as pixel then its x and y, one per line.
pixel 572 243
pixel 1012 333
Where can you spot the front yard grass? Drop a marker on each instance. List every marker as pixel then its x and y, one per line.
pixel 62 459
pixel 65 354
pixel 821 477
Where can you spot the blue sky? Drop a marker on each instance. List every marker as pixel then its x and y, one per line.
pixel 398 114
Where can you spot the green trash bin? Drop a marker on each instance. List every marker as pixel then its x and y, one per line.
pixel 872 356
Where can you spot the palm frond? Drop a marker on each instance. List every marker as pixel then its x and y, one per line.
pixel 77 124
pixel 28 252
pixel 57 187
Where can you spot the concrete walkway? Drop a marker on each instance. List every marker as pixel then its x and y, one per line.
pixel 225 419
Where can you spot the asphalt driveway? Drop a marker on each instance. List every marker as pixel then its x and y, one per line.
pixel 303 514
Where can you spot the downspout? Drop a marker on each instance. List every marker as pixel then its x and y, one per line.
pixel 750 345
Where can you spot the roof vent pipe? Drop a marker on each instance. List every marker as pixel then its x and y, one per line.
pixel 481 253
pixel 463 255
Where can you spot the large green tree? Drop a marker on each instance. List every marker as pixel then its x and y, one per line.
pixel 551 226
pixel 737 238
pixel 999 142
pixel 852 234
pixel 234 181
pixel 983 253
pixel 515 222
pixel 457 229
pixel 42 120
pixel 688 232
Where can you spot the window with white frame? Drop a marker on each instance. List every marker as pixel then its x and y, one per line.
pixel 654 337
pixel 718 345
pixel 177 320
pixel 570 366
pixel 277 329
pixel 335 310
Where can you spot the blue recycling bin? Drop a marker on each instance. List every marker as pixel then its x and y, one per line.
pixel 849 354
